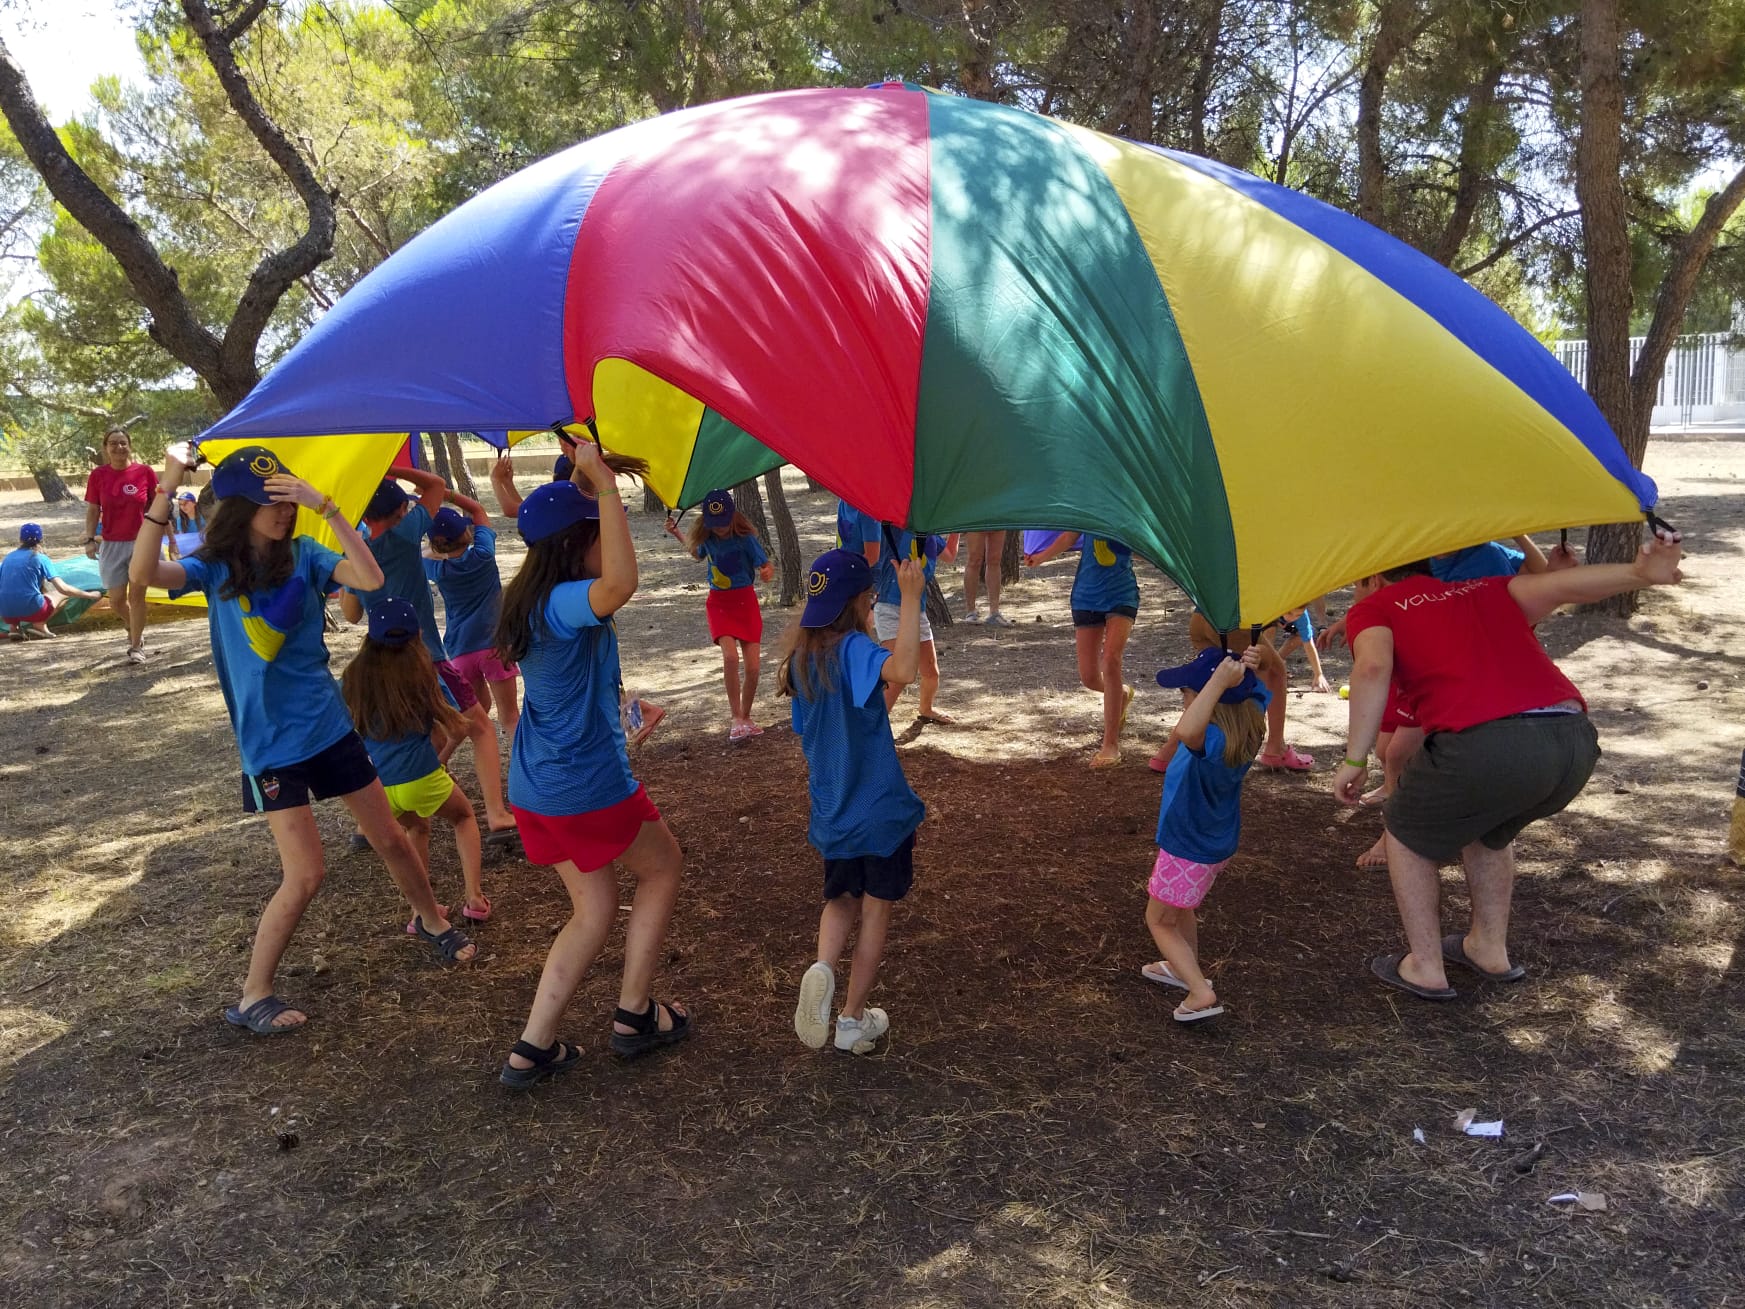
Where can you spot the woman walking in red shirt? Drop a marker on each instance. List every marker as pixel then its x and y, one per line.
pixel 117 494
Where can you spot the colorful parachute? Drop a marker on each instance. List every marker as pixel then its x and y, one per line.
pixel 960 315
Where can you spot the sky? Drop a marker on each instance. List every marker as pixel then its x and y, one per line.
pixel 65 45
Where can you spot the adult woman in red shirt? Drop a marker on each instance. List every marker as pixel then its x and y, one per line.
pixel 117 493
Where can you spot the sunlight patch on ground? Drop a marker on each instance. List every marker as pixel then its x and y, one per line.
pixel 1528 1039
pixel 66 906
pixel 23 1031
pixel 1647 1047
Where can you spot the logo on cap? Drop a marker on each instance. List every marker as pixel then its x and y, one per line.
pixel 816 583
pixel 716 507
pixel 263 465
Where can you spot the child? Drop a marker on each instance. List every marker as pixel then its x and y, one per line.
pixel 887 606
pixel 1105 605
pixel 188 517
pixel 463 564
pixel 396 705
pixel 1200 820
pixel 1298 630
pixel 263 589
pixel 25 606
pixel 864 815
pixel 726 539
pixel 578 807
pixel 1275 754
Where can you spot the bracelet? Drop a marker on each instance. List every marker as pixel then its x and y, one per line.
pixel 1357 763
pixel 161 522
pixel 601 495
pixel 328 509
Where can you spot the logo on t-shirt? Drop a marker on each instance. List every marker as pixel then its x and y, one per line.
pixel 267 624
pixel 128 488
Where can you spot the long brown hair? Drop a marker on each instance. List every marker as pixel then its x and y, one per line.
pixel 392 691
pixel 699 531
pixel 228 542
pixel 1244 728
pixel 809 663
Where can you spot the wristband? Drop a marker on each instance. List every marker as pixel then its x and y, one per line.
pixel 601 495
pixel 1356 763
pixel 161 522
pixel 328 508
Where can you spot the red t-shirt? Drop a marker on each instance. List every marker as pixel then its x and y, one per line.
pixel 1463 652
pixel 122 497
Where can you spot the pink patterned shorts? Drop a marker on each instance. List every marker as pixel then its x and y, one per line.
pixel 484 665
pixel 1181 882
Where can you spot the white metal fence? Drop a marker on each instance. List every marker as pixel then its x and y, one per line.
pixel 1704 381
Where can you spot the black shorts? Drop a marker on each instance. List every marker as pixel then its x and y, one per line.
pixel 1489 782
pixel 1100 617
pixel 340 769
pixel 884 877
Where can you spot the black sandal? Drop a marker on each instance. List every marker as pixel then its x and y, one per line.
pixel 546 1063
pixel 648 1035
pixel 448 945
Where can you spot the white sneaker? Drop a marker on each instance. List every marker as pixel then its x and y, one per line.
pixel 998 619
pixel 135 654
pixel 973 616
pixel 862 1034
pixel 812 1014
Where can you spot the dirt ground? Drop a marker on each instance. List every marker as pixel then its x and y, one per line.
pixel 1037 1131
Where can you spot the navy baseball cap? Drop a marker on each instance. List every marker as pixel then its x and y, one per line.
pixel 1193 676
pixel 393 622
pixel 389 496
pixel 30 534
pixel 449 525
pixel 561 470
pixel 551 508
pixel 717 509
pixel 837 576
pixel 244 472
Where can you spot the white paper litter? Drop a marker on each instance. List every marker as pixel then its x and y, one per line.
pixel 1592 1201
pixel 1419 1137
pixel 1463 1122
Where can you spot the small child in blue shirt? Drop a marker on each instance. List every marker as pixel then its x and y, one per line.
pixel 864 815
pixel 1105 605
pixel 1199 823
pixel 463 564
pixel 724 538
pixel 398 706
pixel 25 578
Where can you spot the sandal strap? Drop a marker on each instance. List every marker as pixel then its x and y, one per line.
pixel 540 1057
pixel 645 1022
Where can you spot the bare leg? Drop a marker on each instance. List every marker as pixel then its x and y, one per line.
pixel 418 829
pixel 1418 896
pixel 1116 631
pixel 1088 649
pixel 135 613
pixel 375 820
pixel 656 862
pixel 1272 674
pixel 996 545
pixel 593 904
pixel 488 764
pixel 976 545
pixel 834 925
pixel 930 682
pixel 1490 877
pixel 508 702
pixel 753 658
pixel 730 675
pixel 1176 933
pixel 299 844
pixel 458 810
pixel 869 952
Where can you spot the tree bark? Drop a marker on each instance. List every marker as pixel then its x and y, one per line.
pixel 1205 68
pixel 1468 189
pixel 439 459
pixel 53 488
pixel 787 539
pixel 938 611
pixel 975 73
pixel 749 502
pixel 1011 556
pixel 1599 188
pixel 1371 92
pixel 457 463
pixel 652 503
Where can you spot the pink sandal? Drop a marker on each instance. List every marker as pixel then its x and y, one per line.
pixel 477 915
pixel 1292 760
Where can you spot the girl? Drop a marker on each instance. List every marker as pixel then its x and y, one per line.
pixel 725 537
pixel 25 606
pixel 188 516
pixel 117 495
pixel 575 801
pixel 887 607
pixel 397 705
pixel 1200 820
pixel 864 815
pixel 263 590
pixel 464 568
pixel 1105 604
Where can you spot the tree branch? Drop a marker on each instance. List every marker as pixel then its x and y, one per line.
pixel 1515 239
pixel 243 21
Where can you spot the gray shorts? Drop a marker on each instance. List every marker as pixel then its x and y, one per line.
pixel 885 622
pixel 113 559
pixel 1489 782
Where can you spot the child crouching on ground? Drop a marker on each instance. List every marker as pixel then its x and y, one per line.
pixel 864 815
pixel 398 705
pixel 1200 821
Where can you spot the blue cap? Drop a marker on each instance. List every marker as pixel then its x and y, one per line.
pixel 389 496
pixel 837 576
pixel 561 470
pixel 394 622
pixel 30 534
pixel 449 525
pixel 186 493
pixel 1193 676
pixel 717 509
pixel 551 508
pixel 244 472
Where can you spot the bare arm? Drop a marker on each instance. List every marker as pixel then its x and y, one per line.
pixel 503 483
pixel 618 573
pixel 950 552
pixel 1190 728
pixel 1535 561
pixel 432 490
pixel 905 661
pixel 148 564
pixel 1656 564
pixel 1371 671
pixel 1053 549
pixel 471 507
pixel 351 607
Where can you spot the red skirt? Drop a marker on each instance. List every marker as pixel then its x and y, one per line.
pixel 589 841
pixel 735 613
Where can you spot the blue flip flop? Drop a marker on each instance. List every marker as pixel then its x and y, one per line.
pixel 258 1017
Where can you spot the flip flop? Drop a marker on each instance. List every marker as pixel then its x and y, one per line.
pixel 1161 973
pixel 1454 952
pixel 943 720
pixel 1097 761
pixel 754 730
pixel 738 733
pixel 1185 1015
pixel 478 915
pixel 499 839
pixel 1386 968
pixel 258 1017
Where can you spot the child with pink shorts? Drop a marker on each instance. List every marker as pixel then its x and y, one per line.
pixel 1199 823
pixel 462 561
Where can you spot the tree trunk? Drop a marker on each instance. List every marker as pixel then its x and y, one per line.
pixel 1011 556
pixel 747 500
pixel 54 490
pixel 812 484
pixel 1205 68
pixel 1605 231
pixel 652 503
pixel 420 455
pixel 439 458
pixel 1392 35
pixel 787 539
pixel 457 463
pixel 1475 152
pixel 938 612
pixel 975 72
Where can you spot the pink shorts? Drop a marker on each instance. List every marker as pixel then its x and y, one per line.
pixel 484 665
pixel 1181 882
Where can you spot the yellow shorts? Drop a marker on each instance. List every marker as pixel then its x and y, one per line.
pixel 422 797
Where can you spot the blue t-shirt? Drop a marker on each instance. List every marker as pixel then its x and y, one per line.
pixel 569 755
pixel 1302 627
pixel 1492 559
pixel 909 546
pixel 854 529
pixel 22 575
pixel 271 660
pixel 733 561
pixel 861 803
pixel 1105 576
pixel 1201 815
pixel 400 552
pixel 472 594
pixel 404 758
